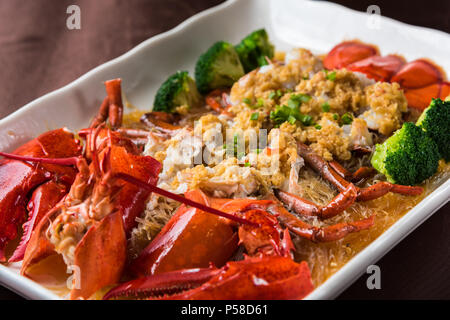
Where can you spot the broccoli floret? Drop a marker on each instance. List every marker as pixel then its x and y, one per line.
pixel 254 49
pixel 218 67
pixel 178 90
pixel 408 157
pixel 435 120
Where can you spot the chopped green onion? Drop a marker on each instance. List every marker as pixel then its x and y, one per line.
pixel 292 120
pixel 326 107
pixel 306 119
pixel 301 97
pixel 335 116
pixel 258 151
pixel 279 93
pixel 224 146
pixel 254 116
pixel 318 126
pixel 347 118
pixel 272 95
pixel 260 102
pixel 247 101
pixel 330 76
pixel 293 104
pixel 247 164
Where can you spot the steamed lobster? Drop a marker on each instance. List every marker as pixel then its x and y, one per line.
pixel 421 79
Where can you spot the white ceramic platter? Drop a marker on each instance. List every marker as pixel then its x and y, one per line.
pixel 290 23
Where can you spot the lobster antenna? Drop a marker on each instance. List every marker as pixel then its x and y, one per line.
pixel 176 197
pixel 71 161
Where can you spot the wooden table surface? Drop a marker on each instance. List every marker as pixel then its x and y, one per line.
pixel 38 54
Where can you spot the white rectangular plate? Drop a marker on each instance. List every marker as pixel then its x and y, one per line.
pixel 290 23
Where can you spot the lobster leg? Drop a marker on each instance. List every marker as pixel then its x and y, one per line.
pixel 356 176
pixel 307 208
pixel 364 194
pixel 381 188
pixel 316 234
pixel 322 167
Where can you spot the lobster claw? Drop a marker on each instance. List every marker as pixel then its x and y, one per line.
pixel 44 198
pixel 163 284
pixel 261 278
pixel 131 199
pixel 191 228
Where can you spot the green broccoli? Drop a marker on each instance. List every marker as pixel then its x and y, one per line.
pixel 254 49
pixel 178 90
pixel 435 120
pixel 408 157
pixel 218 67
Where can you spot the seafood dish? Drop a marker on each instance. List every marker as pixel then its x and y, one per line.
pixel 257 177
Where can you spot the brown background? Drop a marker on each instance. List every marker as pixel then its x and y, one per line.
pixel 38 54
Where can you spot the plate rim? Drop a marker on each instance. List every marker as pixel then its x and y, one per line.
pixel 336 283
